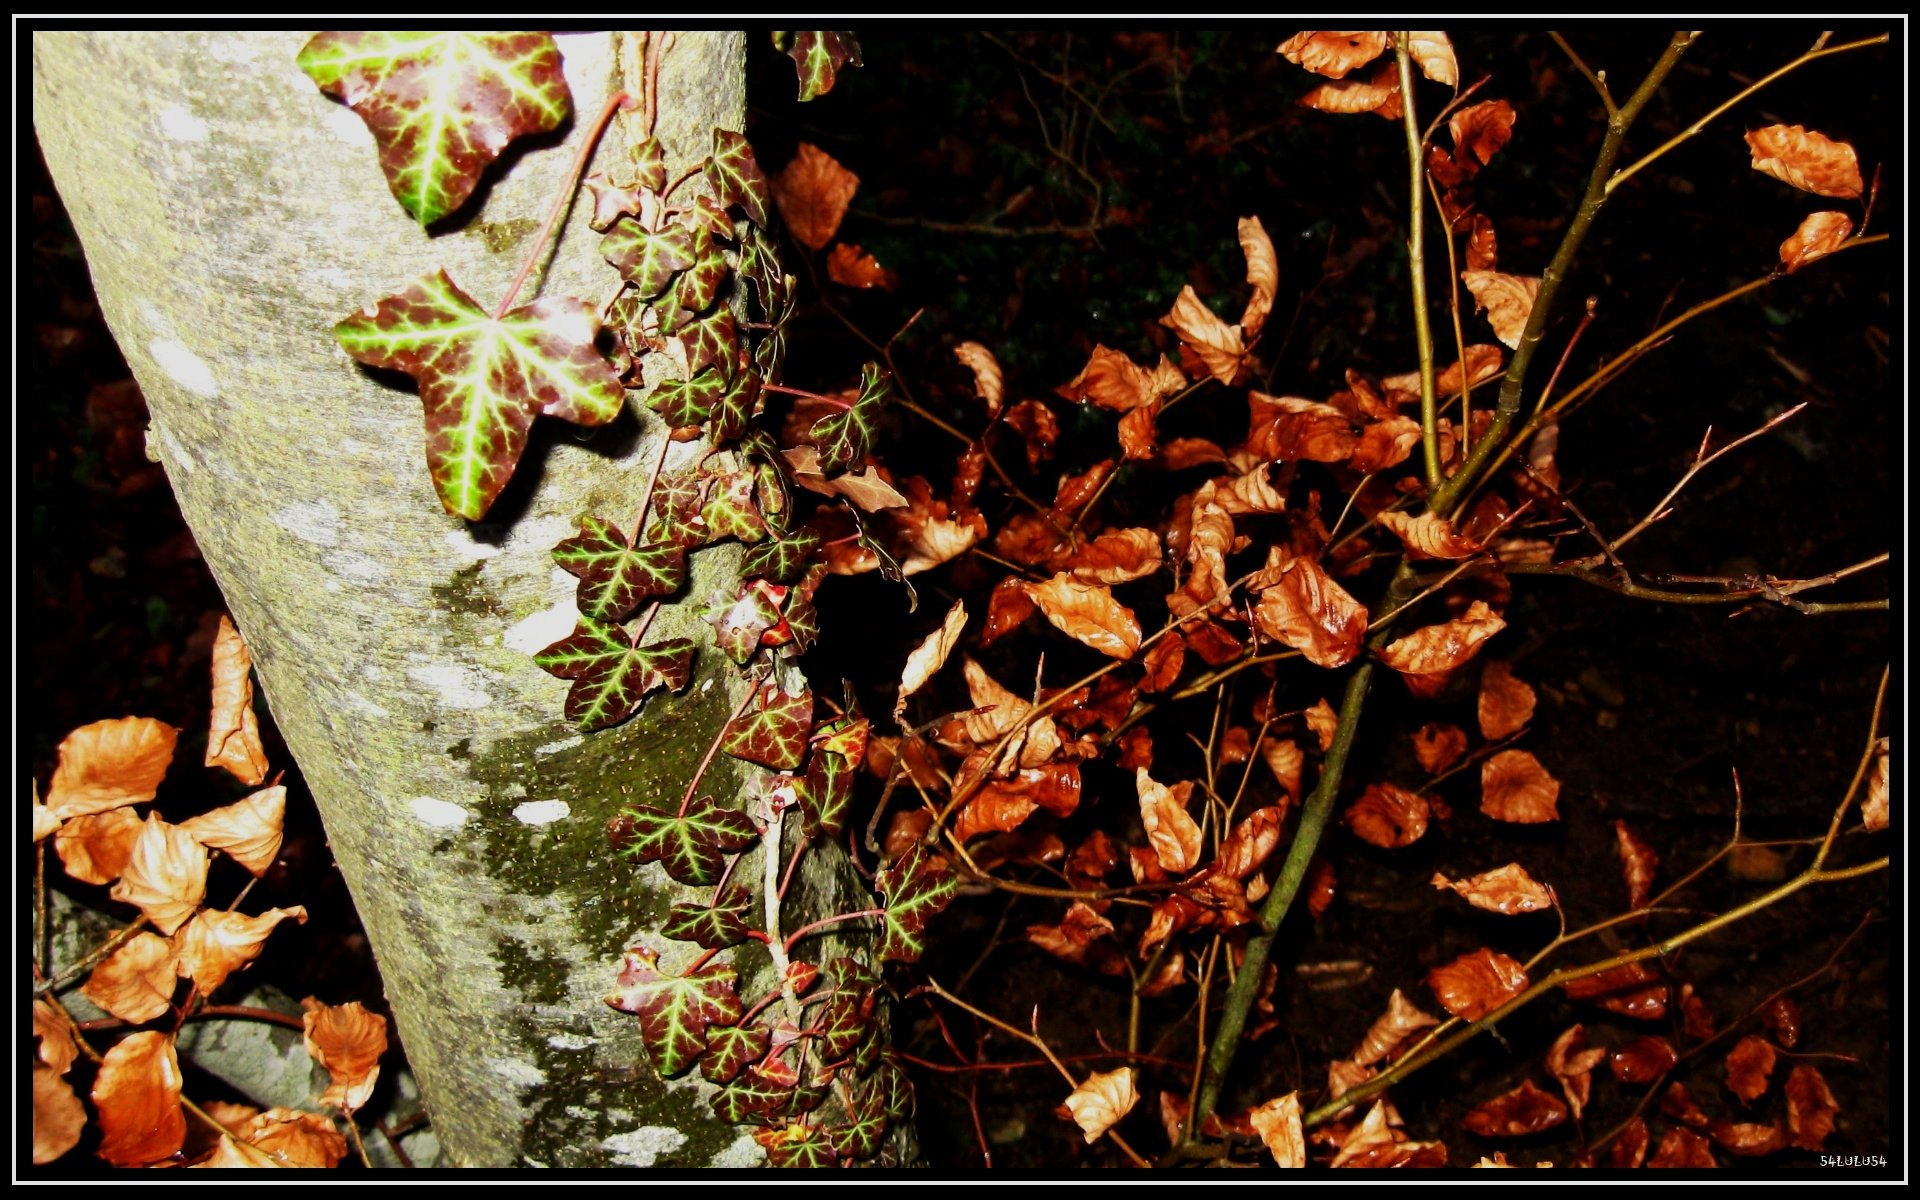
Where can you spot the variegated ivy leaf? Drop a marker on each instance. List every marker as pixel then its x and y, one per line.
pixel 916 887
pixel 825 793
pixel 770 353
pixel 730 510
pixel 716 927
pixel 707 214
pixel 650 164
pixel 803 621
pixel 616 577
pixel 675 1010
pixel 773 732
pixel 442 106
pixel 844 1020
pixel 712 341
pixel 687 401
pixel 736 408
pixel 760 266
pixel 667 311
pixel 611 675
pixel 678 498
pixel 706 270
pixel 482 380
pixel 774 492
pixel 757 1098
pixel 646 259
pixel 782 559
pixel 735 176
pixel 740 623
pixel 692 847
pixel 844 437
pixel 860 1136
pixel 799 1145
pixel 818 55
pixel 730 1048
pixel 610 200
pixel 890 1083
pixel 846 737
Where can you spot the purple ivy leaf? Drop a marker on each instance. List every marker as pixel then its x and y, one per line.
pixel 845 437
pixel 715 926
pixel 736 177
pixel 646 259
pixel 730 510
pixel 687 401
pixel 825 794
pixel 773 732
pixel 692 847
pixel 611 675
pixel 675 1010
pixel 818 55
pixel 616 577
pixel 797 1145
pixel 731 1049
pixel 915 888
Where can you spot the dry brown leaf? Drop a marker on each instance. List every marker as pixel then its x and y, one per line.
pixel 1508 300
pixel 1507 890
pixel 1388 817
pixel 1430 534
pixel 1506 703
pixel 1808 160
pixel 1783 1018
pixel 165 876
pixel 1643 1060
pixel 1524 1110
pixel 1403 1017
pixel 1311 613
pixel 348 1041
pixel 95 849
pixel 851 266
pixel 1638 863
pixel 1099 1103
pixel 1289 429
pixel 1117 556
pixel 1473 985
pixel 1433 51
pixel 234 741
pixel 1284 758
pixel 1278 1124
pixel 989 382
pixel 1874 809
pixel 1629 1150
pixel 1113 381
pixel 1088 613
pixel 1334 52
pixel 1078 939
pixel 110 764
pixel 1818 236
pixel 1379 94
pixel 231 1155
pixel 215 944
pixel 1174 835
pixel 813 192
pixel 1630 989
pixel 1323 721
pixel 1676 1102
pixel 1483 362
pixel 929 656
pixel 58 1116
pixel 935 540
pixel 137 1095
pixel 1252 492
pixel 1479 131
pixel 44 822
pixel 1438 746
pixel 1682 1148
pixel 1748 1065
pixel 1810 1108
pixel 248 830
pixel 1483 245
pixel 1437 650
pixel 1749 1140
pixel 1515 787
pixel 1139 436
pixel 997 711
pixel 57 1048
pixel 295 1139
pixel 1215 343
pixel 1250 843
pixel 1571 1061
pixel 135 982
pixel 1263 272
pixel 1385 443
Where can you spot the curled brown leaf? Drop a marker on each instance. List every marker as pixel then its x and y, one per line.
pixel 110 764
pixel 813 192
pixel 1378 94
pixel 1475 984
pixel 1524 1110
pixel 1515 787
pixel 1508 300
pixel 1311 613
pixel 348 1041
pixel 1571 1061
pixel 1438 746
pixel 1113 381
pixel 135 982
pixel 234 741
pixel 215 944
pixel 1682 1148
pixel 248 830
pixel 1278 1124
pixel 929 656
pixel 1874 809
pixel 1388 817
pixel 57 1047
pixel 1429 534
pixel 1507 890
pixel 58 1116
pixel 1818 236
pixel 1643 1060
pixel 1088 613
pixel 1173 834
pixel 1506 703
pixel 1638 863
pixel 1263 273
pixel 1098 1104
pixel 1403 1017
pixel 165 876
pixel 137 1095
pixel 1807 159
pixel 1333 52
pixel 1117 556
pixel 1749 1064
pixel 95 849
pixel 1216 344
pixel 1810 1108
pixel 989 382
pixel 1437 650
pixel 851 266
pixel 1432 50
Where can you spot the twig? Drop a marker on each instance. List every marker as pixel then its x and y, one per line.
pixel 1599 81
pixel 1417 262
pixel 99 952
pixel 561 202
pixel 1701 460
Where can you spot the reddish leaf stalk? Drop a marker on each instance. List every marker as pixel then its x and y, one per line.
pixel 793 938
pixel 560 202
pixel 700 772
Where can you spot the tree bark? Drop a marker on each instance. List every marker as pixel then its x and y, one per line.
pixel 231 214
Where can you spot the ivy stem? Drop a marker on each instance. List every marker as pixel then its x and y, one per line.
pixel 650 110
pixel 1417 261
pixel 646 497
pixel 804 394
pixel 770 882
pixel 713 748
pixel 793 938
pixel 614 104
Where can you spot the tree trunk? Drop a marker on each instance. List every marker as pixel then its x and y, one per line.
pixel 231 214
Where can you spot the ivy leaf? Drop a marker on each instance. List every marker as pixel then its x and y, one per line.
pixel 616 577
pixel 706 270
pixel 866 1125
pixel 797 1145
pixel 916 887
pixel 712 341
pixel 441 106
pixel 708 214
pixel 774 732
pixel 760 266
pixel 891 1085
pixel 781 559
pixel 739 624
pixel 482 380
pixel 646 259
pixel 844 1020
pixel 675 1010
pixel 730 510
pixel 678 497
pixel 889 566
pixel 691 847
pixel 803 621
pixel 818 54
pixel 770 353
pixel 687 401
pixel 650 164
pixel 736 408
pixel 611 675
pixel 749 1099
pixel 716 927
pixel 735 176
pixel 825 794
pixel 730 1048
pixel 845 437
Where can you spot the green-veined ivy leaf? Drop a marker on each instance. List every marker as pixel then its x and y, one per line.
pixel 850 974
pixel 844 1019
pixel 825 793
pixel 846 737
pixel 844 437
pixel 891 1084
pixel 706 269
pixel 730 1048
pixel 482 380
pixel 803 621
pixel 752 1099
pixel 647 260
pixel 707 213
pixel 797 1145
pixel 716 927
pixel 678 498
pixel 781 559
pixel 616 577
pixel 735 175
pixel 775 494
pixel 650 164
pixel 770 354
pixel 442 106
pixel 760 266
pixel 687 401
pixel 730 511
pixel 692 847
pixel 736 408
pixel 610 200
pixel 667 311
pixel 773 732
pixel 818 55
pixel 611 675
pixel 713 341
pixel 860 1136
pixel 739 624
pixel 916 887
pixel 675 1010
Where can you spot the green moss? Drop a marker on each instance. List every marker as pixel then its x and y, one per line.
pixel 500 236
pixel 464 593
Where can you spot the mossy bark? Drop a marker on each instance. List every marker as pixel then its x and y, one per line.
pixel 231 214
